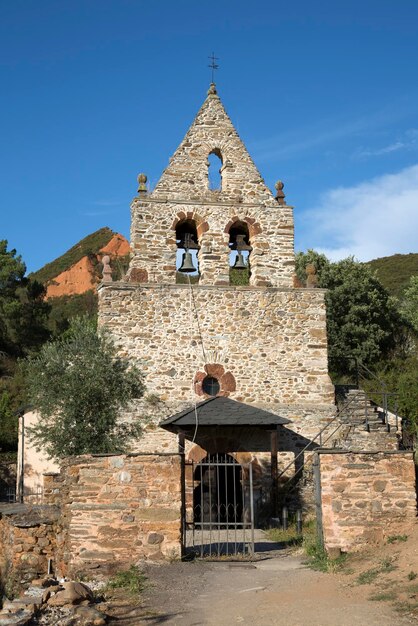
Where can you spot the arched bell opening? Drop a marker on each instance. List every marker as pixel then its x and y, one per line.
pixel 215 162
pixel 187 261
pixel 239 256
pixel 217 492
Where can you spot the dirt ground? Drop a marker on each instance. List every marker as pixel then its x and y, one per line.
pixel 379 588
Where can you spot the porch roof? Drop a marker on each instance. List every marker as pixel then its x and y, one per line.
pixel 221 411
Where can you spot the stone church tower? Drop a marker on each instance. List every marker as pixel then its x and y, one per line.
pixel 261 344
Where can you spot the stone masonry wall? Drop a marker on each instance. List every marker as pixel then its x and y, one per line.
pixel 272 342
pixel 27 541
pixel 154 242
pixel 120 509
pixel 366 497
pixel 267 345
pixel 183 192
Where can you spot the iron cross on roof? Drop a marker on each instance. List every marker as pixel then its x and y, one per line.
pixel 213 65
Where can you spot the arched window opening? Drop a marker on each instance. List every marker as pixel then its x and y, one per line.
pixel 187 252
pixel 214 170
pixel 239 257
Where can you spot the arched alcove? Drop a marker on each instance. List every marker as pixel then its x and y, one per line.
pixel 239 256
pixel 187 250
pixel 214 170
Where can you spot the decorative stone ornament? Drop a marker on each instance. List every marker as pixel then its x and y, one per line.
pixel 142 181
pixel 107 270
pixel 311 276
pixel 280 196
pixel 216 372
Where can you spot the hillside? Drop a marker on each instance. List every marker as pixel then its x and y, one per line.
pixel 395 271
pixel 71 279
pixel 78 270
pixel 86 247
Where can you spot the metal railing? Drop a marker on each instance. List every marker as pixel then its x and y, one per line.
pixel 350 404
pixel 364 374
pixel 8 495
pixel 318 436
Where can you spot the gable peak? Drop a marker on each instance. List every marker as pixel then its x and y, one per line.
pixel 212 91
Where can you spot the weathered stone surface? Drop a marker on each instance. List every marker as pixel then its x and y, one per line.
pixel 73 593
pixel 27 540
pixel 120 521
pixel 378 498
pixel 265 342
pixel 22 617
pixel 89 616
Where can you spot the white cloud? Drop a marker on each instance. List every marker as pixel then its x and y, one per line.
pixel 393 147
pixel 372 219
pixel 327 132
pixel 409 142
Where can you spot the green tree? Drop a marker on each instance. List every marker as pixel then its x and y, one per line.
pixel 23 328
pixel 23 311
pixel 79 386
pixel 362 320
pixel 409 303
pixel 361 316
pixel 8 423
pixel 319 261
pixel 401 377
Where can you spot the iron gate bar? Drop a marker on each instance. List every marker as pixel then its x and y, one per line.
pixel 216 529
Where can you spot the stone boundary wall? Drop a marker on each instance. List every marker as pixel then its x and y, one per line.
pixel 52 488
pixel 366 497
pixel 120 508
pixel 27 540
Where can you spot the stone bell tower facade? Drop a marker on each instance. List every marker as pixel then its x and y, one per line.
pixel 262 343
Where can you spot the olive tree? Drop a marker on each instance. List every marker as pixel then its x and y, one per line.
pixel 79 386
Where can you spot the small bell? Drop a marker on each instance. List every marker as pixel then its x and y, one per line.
pixel 187 263
pixel 239 262
pixel 240 243
pixel 188 242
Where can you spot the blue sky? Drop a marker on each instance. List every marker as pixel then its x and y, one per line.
pixel 325 96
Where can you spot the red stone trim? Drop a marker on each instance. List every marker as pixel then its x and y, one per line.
pixel 191 215
pixel 226 380
pixel 138 275
pixel 254 227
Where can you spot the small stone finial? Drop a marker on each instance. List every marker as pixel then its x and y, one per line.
pixel 142 181
pixel 107 270
pixel 311 276
pixel 280 194
pixel 212 89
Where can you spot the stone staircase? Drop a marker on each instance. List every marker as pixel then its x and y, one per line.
pixel 364 425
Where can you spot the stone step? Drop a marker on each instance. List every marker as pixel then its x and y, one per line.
pixel 377 426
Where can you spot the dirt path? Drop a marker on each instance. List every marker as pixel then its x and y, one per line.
pixel 278 591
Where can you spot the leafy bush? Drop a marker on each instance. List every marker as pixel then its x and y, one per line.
pixel 79 386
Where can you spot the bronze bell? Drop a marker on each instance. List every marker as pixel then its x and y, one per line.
pixel 240 243
pixel 239 262
pixel 188 242
pixel 187 263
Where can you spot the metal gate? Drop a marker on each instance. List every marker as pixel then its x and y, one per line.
pixel 218 508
